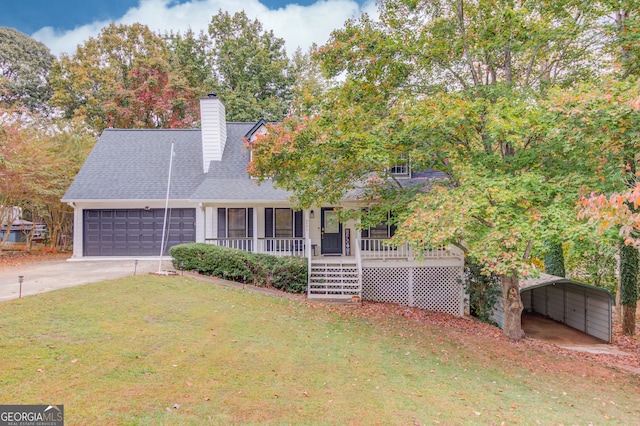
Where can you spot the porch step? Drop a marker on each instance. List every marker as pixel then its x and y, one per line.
pixel 334 280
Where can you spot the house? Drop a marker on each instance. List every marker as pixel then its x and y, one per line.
pixel 16 231
pixel 119 199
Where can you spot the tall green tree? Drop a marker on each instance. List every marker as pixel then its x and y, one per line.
pixel 454 86
pixel 191 57
pixel 252 71
pixel 310 83
pixel 24 67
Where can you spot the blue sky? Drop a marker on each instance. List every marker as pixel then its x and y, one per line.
pixel 64 24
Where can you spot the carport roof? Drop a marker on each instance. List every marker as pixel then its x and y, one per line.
pixel 548 279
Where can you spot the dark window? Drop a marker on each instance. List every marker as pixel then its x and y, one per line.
pixel 401 168
pixel 380 231
pixel 282 223
pixel 235 222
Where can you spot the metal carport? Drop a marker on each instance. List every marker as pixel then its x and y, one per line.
pixel 584 307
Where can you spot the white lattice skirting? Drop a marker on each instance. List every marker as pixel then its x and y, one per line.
pixel 432 288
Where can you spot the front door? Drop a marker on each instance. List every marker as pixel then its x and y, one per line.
pixel 331 231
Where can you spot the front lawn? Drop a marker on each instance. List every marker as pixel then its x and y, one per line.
pixel 172 350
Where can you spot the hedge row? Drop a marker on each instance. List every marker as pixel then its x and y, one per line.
pixel 284 273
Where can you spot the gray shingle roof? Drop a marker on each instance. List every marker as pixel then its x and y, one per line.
pixel 228 179
pixel 134 165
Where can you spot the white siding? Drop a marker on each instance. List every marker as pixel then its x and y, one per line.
pixel 498 313
pixel 200 225
pixel 214 130
pixel 77 232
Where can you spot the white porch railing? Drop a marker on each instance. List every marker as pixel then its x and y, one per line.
pixel 294 247
pixel 245 244
pixel 380 249
pixel 275 246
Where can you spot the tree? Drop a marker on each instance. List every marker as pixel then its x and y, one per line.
pixel 455 86
pixel 252 70
pixel 601 121
pixel 24 67
pixel 123 78
pixel 40 158
pixel 191 58
pixel 310 84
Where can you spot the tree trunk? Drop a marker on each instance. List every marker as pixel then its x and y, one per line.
pixel 629 320
pixel 628 287
pixel 512 305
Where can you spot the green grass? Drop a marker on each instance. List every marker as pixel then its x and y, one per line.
pixel 129 351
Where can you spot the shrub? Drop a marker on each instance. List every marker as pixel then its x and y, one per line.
pixel 284 273
pixel 483 290
pixel 207 259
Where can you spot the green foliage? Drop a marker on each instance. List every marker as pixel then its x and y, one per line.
pixel 287 274
pixel 483 290
pixel 593 261
pixel 252 71
pixel 628 275
pixel 622 32
pixel 190 57
pixel 310 85
pixel 221 262
pixel 554 260
pixel 24 67
pixel 455 92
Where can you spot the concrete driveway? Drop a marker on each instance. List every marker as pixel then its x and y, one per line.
pixel 54 274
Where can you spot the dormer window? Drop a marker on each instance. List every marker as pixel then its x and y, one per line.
pixel 402 166
pixel 260 128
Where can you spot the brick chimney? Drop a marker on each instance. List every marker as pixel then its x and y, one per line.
pixel 214 129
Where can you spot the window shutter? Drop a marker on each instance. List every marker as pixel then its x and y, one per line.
pixel 392 230
pixel 268 222
pixel 222 223
pixel 250 222
pixel 297 224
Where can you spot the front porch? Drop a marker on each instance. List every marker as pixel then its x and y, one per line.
pixel 342 261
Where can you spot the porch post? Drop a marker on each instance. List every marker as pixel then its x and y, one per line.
pixel 255 230
pixel 201 223
pixel 78 230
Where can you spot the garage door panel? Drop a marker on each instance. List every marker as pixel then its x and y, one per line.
pixel 135 232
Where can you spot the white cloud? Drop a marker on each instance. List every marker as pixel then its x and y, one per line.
pixel 300 26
